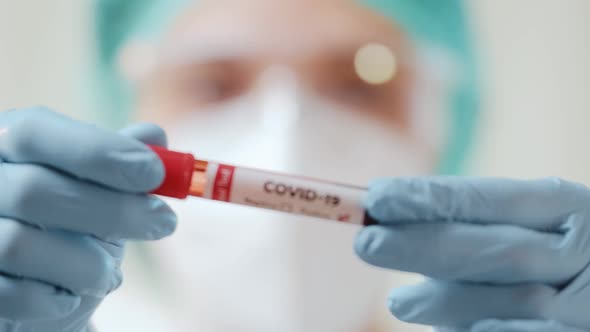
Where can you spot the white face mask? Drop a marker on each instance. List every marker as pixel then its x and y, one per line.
pixel 244 269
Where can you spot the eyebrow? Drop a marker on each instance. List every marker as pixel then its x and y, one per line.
pixel 202 53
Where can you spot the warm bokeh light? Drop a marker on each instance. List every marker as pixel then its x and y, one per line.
pixel 375 63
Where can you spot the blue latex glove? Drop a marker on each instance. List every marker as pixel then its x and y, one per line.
pixel 504 255
pixel 71 195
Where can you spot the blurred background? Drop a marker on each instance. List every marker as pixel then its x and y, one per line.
pixel 534 55
pixel 534 76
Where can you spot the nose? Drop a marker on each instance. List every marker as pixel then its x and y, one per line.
pixel 279 99
pixel 276 107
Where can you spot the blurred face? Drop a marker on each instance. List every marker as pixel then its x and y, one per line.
pixel 282 85
pixel 215 54
pixel 295 63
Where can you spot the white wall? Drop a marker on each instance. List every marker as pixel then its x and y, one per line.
pixel 537 75
pixel 43 51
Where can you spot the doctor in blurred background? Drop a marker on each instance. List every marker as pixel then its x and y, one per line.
pixel 340 90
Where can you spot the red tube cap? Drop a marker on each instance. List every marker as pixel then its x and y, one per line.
pixel 179 172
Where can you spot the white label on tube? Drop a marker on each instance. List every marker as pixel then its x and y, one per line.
pixel 285 193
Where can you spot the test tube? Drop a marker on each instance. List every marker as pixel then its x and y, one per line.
pixel 187 176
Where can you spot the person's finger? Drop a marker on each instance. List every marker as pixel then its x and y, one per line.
pixel 479 253
pixel 77 321
pixel 51 199
pixel 76 263
pixel 494 325
pixel 39 136
pixel 23 300
pixel 147 133
pixel 450 329
pixel 439 303
pixel 536 204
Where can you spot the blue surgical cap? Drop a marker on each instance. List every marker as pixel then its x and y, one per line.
pixel 436 22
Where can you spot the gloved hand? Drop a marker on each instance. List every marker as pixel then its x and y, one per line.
pixel 503 255
pixel 71 195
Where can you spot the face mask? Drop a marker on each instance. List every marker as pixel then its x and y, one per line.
pixel 243 269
